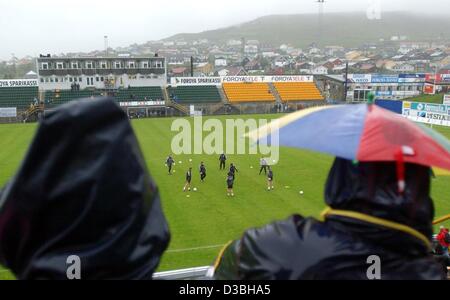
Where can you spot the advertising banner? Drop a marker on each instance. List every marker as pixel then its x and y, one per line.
pixel 383 93
pixel 405 93
pixel 436 114
pixel 429 89
pixel 142 103
pixel 446 99
pixel 378 78
pixel 431 77
pixel 392 105
pixel 242 79
pixel 18 83
pixel 411 78
pixel 190 81
pixel 8 112
pixel 270 79
pixel 359 78
pixel 445 78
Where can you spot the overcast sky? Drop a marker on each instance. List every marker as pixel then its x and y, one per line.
pixel 55 26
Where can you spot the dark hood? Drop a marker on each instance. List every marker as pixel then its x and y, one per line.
pixel 371 188
pixel 83 189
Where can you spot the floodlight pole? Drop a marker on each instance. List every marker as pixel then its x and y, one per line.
pixel 106 45
pixel 321 4
pixel 346 81
pixel 435 77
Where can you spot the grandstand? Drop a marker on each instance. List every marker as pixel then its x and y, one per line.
pixel 248 92
pixel 59 97
pixel 194 94
pixel 298 91
pixel 211 95
pixel 150 93
pixel 19 97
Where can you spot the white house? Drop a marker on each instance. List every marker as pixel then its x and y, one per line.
pixel 234 43
pixel 251 50
pixel 269 54
pixel 403 68
pixel 281 61
pixel 283 47
pixel 320 70
pixel 253 42
pixel 220 62
pixel 314 50
pixel 223 72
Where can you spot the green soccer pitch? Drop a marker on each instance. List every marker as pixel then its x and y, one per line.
pixel 206 220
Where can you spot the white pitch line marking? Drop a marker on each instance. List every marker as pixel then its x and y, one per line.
pixel 194 249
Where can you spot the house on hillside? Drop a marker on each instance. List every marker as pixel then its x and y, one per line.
pixel 319 70
pixel 178 60
pixel 365 67
pixel 204 68
pixel 353 55
pixel 253 65
pixel 276 72
pixel 403 68
pixel 329 65
pixel 220 61
pixel 231 71
pixel 179 72
pixel 281 61
pixel 334 50
pixel 304 67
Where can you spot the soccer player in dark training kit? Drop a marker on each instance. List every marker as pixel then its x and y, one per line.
pixel 230 183
pixel 222 159
pixel 270 179
pixel 188 180
pixel 233 170
pixel 202 172
pixel 169 164
pixel 264 165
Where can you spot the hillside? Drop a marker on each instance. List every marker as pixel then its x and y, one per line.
pixel 347 29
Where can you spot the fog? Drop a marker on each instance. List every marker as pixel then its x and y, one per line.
pixel 51 26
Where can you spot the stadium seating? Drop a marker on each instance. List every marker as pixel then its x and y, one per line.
pixel 58 97
pixel 298 91
pixel 20 97
pixel 248 92
pixel 195 94
pixel 151 93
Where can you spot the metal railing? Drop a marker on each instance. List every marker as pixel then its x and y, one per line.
pixel 199 273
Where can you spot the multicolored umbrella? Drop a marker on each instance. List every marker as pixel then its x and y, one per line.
pixel 360 132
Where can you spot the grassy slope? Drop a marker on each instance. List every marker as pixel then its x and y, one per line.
pixel 209 217
pixel 438 98
pixel 350 29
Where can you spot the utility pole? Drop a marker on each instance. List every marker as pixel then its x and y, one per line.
pixel 346 81
pixel 14 60
pixel 435 76
pixel 106 45
pixel 320 25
